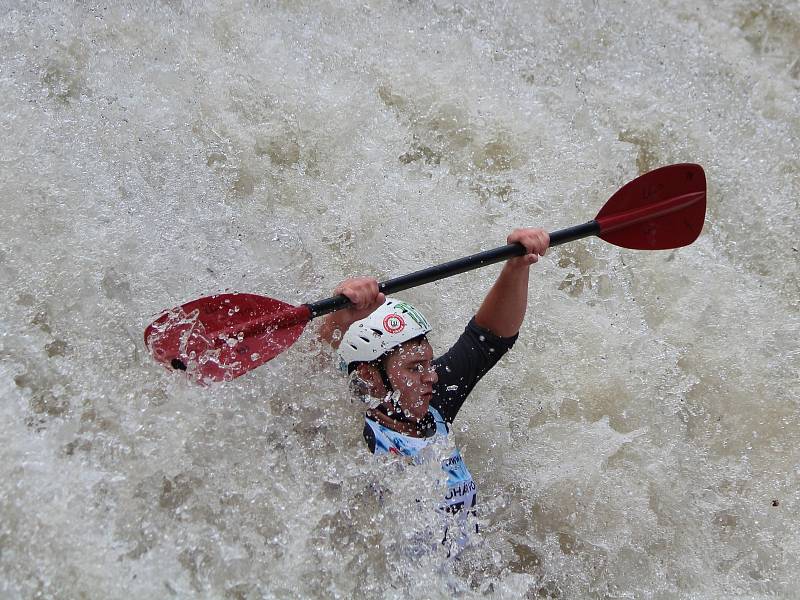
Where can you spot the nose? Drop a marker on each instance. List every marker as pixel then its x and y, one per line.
pixel 431 375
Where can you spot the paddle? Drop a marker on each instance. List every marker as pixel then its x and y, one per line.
pixel 221 337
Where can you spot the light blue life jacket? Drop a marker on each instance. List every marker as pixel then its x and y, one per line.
pixel 460 486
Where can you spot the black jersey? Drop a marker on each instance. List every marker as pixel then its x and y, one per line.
pixel 475 352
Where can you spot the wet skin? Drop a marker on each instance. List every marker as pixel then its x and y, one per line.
pixel 411 372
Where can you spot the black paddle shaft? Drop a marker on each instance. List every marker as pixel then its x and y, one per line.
pixel 454 267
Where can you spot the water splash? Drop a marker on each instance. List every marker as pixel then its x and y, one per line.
pixel 640 439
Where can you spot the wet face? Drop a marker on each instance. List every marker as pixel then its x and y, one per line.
pixel 411 372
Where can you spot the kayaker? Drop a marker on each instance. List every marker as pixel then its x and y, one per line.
pixel 382 345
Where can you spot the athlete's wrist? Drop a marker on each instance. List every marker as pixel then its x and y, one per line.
pixel 333 327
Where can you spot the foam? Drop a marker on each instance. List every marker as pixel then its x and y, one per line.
pixel 640 439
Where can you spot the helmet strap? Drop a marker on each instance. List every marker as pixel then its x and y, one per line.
pixel 392 398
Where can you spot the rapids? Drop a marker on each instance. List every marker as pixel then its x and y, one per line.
pixel 641 440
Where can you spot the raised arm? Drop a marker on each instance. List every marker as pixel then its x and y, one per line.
pixel 363 293
pixel 503 309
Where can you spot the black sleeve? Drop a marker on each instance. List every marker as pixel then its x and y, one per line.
pixel 461 367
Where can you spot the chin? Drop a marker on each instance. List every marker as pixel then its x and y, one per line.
pixel 419 412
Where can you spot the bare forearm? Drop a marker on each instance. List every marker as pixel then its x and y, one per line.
pixel 332 330
pixel 503 309
pixel 365 296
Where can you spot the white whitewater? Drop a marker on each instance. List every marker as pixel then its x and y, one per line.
pixel 640 441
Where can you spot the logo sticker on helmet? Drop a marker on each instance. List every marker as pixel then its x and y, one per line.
pixel 393 323
pixel 412 312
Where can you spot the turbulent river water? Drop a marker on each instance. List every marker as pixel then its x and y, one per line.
pixel 642 438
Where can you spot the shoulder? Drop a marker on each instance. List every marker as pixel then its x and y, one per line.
pixel 477 338
pixel 485 336
pixel 475 352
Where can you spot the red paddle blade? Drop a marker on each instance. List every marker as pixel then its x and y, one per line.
pixel 662 209
pixel 219 338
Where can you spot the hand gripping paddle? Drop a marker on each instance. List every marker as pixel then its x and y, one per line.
pixel 221 337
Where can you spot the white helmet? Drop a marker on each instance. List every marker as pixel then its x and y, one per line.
pixel 390 325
